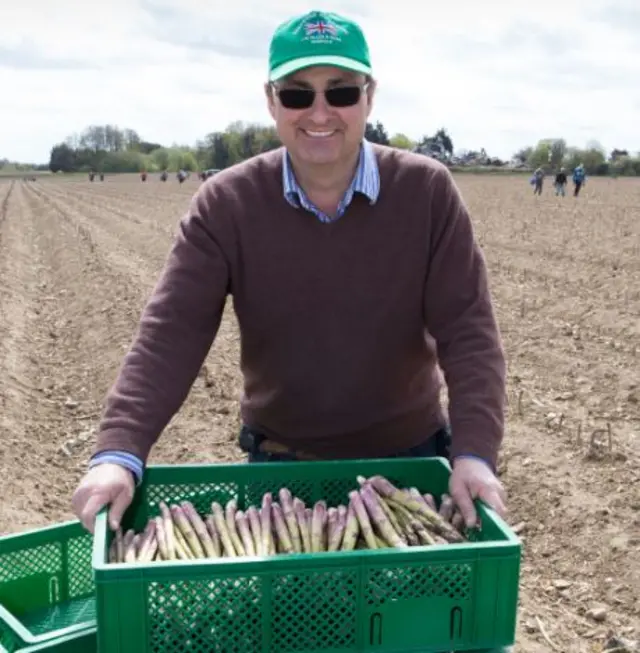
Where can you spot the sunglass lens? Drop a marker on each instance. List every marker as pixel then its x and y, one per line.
pixel 296 98
pixel 343 96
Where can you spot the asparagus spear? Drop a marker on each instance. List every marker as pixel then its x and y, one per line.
pixel 286 501
pixel 305 533
pixel 284 537
pixel 379 518
pixel 335 539
pixel 242 525
pixel 184 526
pixel 128 546
pixel 254 524
pixel 149 543
pixel 351 530
pixel 215 536
pixel 382 544
pixel 447 507
pixel 221 526
pixel 332 523
pixel 391 516
pixel 162 538
pixel 431 502
pixel 199 528
pixel 169 530
pixel 120 545
pixel 230 516
pixel 183 552
pixel 318 522
pixel 388 490
pixel 268 543
pixel 113 550
pixel 363 519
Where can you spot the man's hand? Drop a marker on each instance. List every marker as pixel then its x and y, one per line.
pixel 104 484
pixel 473 479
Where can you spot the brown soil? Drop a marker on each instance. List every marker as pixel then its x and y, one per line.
pixel 78 260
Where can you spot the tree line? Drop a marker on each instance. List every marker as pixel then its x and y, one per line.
pixel 553 153
pixel 110 149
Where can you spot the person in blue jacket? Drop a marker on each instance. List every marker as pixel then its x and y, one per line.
pixel 579 177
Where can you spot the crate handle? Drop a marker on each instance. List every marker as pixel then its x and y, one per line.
pixel 455 612
pixel 375 617
pixel 54 590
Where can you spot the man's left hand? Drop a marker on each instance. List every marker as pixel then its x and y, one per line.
pixel 473 479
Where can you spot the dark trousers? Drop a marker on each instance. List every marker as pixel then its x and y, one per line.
pixel 438 444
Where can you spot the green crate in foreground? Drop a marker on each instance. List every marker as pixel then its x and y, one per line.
pixel 84 641
pixel 46 585
pixel 423 599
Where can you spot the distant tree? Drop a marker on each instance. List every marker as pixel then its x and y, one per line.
pixel 618 154
pixel 523 154
pixel 62 158
pixel 377 133
pixel 402 142
pixel 548 152
pixel 145 147
pixel 444 139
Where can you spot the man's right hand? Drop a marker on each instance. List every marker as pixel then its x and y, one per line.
pixel 106 484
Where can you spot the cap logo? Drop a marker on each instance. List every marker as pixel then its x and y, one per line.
pixel 323 31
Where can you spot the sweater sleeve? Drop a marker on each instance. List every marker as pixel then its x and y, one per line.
pixel 175 333
pixel 459 315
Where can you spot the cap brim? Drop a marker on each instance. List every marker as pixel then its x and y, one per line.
pixel 306 62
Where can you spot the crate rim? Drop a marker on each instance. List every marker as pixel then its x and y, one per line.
pixel 30 639
pixel 11 542
pixel 511 544
pixel 57 642
pixel 40 536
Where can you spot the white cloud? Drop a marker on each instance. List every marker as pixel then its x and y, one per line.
pixel 497 75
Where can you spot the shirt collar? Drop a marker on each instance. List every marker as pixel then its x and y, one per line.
pixel 365 181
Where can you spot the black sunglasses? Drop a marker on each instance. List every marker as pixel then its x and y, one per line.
pixel 336 96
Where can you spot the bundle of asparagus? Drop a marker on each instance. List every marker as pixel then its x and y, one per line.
pixel 378 515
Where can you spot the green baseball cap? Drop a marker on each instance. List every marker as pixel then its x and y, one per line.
pixel 318 38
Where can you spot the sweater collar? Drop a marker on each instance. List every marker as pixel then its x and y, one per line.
pixel 365 181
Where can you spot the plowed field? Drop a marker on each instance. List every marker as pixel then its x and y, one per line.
pixel 79 259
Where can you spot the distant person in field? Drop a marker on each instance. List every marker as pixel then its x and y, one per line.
pixel 561 182
pixel 579 177
pixel 143 176
pixel 537 181
pixel 356 278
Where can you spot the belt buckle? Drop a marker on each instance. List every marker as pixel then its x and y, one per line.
pixel 248 440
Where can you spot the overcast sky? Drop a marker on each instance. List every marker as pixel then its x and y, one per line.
pixel 497 74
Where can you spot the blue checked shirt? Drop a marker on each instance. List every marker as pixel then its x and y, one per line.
pixel 366 181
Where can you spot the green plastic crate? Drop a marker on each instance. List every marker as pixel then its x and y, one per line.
pixel 424 599
pixel 47 589
pixel 85 641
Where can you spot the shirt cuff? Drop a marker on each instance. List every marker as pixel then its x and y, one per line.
pixel 468 455
pixel 122 458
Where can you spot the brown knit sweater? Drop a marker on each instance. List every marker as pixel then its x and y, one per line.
pixel 342 324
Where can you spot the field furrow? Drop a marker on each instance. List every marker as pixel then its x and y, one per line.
pixel 79 259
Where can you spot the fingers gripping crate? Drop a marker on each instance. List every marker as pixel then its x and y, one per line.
pixel 436 598
pixel 47 590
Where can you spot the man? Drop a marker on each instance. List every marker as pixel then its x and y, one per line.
pixel 354 272
pixel 537 181
pixel 561 182
pixel 579 177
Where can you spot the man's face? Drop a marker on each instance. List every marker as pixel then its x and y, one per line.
pixel 320 134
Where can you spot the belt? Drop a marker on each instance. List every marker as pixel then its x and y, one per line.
pixel 252 442
pixel 269 446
